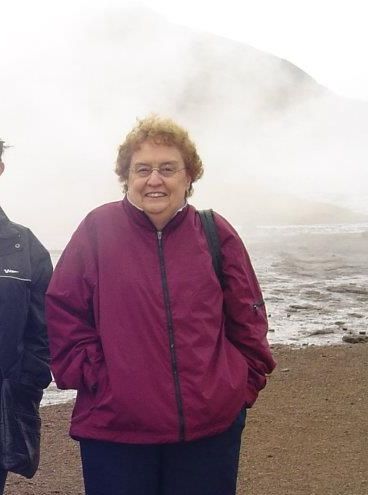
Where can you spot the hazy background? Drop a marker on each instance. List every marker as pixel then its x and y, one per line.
pixel 278 145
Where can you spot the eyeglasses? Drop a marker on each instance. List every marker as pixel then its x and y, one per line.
pixel 165 170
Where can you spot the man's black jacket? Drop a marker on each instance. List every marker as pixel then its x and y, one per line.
pixel 25 271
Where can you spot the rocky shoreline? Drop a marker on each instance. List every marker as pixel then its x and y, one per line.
pixel 315 287
pixel 306 435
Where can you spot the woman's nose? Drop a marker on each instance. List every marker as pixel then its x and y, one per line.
pixel 154 178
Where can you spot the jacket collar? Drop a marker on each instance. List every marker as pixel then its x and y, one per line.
pixel 139 217
pixel 7 230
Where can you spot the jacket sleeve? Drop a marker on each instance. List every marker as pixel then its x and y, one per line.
pixel 245 312
pixel 74 342
pixel 35 361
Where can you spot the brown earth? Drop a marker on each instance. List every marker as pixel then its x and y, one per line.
pixel 306 435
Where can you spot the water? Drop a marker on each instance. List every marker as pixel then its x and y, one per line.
pixel 294 230
pixel 53 395
pixel 314 280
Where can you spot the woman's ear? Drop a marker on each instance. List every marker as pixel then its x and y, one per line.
pixel 189 182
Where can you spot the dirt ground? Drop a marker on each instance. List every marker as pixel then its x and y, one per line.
pixel 306 435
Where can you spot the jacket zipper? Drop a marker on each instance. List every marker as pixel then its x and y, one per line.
pixel 170 328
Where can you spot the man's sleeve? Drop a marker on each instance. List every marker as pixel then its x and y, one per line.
pixel 35 363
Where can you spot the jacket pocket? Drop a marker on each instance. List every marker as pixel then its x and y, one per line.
pixel 102 391
pixel 20 427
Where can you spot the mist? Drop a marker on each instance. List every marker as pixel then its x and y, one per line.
pixel 277 146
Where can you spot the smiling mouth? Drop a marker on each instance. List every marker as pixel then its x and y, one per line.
pixel 156 195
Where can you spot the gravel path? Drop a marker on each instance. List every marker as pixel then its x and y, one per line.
pixel 306 435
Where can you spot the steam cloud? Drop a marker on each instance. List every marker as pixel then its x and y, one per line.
pixel 73 82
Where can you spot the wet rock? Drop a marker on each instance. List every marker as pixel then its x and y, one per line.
pixel 355 315
pixel 274 299
pixel 322 331
pixel 355 338
pixel 309 307
pixel 348 288
pixel 313 293
pixel 342 325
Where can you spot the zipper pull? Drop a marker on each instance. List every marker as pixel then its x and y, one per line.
pixel 159 235
pixel 258 305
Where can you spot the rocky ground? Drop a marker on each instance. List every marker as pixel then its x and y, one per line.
pixel 306 435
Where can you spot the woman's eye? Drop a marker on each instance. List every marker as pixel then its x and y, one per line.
pixel 167 169
pixel 143 170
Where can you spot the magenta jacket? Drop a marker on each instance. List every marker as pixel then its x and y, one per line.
pixel 136 325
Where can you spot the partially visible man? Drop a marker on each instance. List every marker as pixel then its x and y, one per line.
pixel 25 271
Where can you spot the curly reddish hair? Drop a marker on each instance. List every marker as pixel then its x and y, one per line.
pixel 160 131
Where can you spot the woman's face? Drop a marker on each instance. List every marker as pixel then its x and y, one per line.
pixel 159 196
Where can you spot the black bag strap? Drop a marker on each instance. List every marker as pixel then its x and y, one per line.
pixel 210 230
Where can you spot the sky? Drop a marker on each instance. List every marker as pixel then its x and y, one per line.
pixel 72 85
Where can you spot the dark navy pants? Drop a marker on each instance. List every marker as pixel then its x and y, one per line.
pixel 208 466
pixel 3 475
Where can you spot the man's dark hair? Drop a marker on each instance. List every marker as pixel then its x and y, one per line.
pixel 2 147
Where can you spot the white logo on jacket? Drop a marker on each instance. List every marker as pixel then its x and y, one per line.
pixel 9 270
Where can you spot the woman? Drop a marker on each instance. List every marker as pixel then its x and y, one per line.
pixel 165 361
pixel 25 270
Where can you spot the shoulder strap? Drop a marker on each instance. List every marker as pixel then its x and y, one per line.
pixel 210 230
